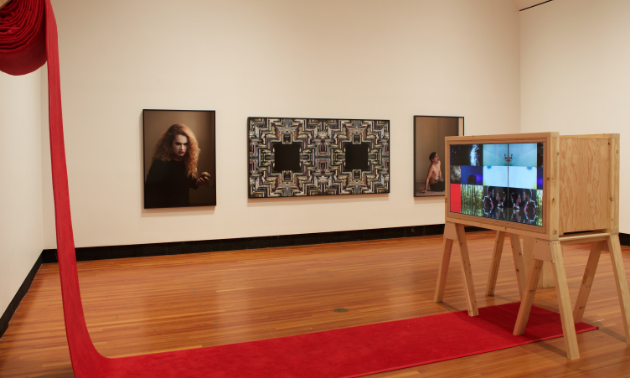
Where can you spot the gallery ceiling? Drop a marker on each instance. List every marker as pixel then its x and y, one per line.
pixel 522 4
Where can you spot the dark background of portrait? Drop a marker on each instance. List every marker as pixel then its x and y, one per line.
pixel 201 122
pixel 429 134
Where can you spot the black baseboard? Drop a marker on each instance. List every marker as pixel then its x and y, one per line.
pixel 8 313
pixel 624 239
pixel 163 249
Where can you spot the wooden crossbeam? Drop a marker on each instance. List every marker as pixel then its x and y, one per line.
pixel 584 237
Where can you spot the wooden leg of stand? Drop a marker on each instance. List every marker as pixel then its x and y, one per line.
pixel 564 302
pixel 587 281
pixel 546 278
pixel 441 281
pixel 494 265
pixel 469 287
pixel 528 251
pixel 622 283
pixel 519 265
pixel 528 298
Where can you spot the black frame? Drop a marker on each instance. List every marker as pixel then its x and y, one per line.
pixel 214 157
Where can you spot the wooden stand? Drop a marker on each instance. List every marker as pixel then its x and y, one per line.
pixel 552 252
pixel 522 258
pixel 520 262
pixel 581 204
pixel 456 232
pixel 546 280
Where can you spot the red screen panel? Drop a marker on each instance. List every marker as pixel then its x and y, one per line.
pixel 456 198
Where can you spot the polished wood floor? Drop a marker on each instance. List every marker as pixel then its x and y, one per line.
pixel 151 304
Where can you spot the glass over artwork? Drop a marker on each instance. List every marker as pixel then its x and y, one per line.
pixel 498 181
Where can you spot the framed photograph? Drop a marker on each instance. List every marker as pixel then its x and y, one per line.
pixel 429 153
pixel 292 157
pixel 179 158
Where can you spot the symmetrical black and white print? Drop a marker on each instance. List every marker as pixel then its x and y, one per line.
pixel 291 157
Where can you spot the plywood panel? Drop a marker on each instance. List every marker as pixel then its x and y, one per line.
pixel 613 189
pixel 584 183
pixel 551 189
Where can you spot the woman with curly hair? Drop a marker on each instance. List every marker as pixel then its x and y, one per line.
pixel 174 169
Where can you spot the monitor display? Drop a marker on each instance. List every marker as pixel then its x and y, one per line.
pixel 498 181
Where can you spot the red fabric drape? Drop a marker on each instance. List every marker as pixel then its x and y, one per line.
pixel 28 38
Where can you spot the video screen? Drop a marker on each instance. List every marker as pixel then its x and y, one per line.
pixel 498 181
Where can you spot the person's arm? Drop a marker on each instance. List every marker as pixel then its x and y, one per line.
pixel 426 186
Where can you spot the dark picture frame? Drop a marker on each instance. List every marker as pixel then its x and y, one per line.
pixel 429 133
pixel 168 183
pixel 295 157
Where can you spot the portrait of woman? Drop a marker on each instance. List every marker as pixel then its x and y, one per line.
pixel 173 175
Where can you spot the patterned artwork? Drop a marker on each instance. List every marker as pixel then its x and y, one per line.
pixel 291 157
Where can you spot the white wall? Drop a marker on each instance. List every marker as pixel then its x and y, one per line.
pixel 575 59
pixel 21 228
pixel 353 58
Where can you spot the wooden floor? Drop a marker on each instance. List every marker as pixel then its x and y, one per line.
pixel 151 304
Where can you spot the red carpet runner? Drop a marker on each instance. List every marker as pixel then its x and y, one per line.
pixel 28 39
pixel 357 351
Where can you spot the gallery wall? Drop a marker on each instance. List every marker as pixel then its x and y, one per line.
pixel 363 59
pixel 21 227
pixel 574 74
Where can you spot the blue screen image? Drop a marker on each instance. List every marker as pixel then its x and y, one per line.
pixel 523 154
pixel 495 154
pixel 523 177
pixel 472 175
pixel 495 176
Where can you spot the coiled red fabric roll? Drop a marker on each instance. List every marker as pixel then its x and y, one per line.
pixel 22 36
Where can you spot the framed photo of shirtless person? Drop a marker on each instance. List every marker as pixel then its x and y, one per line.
pixel 429 133
pixel 179 158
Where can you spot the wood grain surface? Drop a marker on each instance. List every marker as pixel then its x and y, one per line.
pixel 150 304
pixel 584 182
